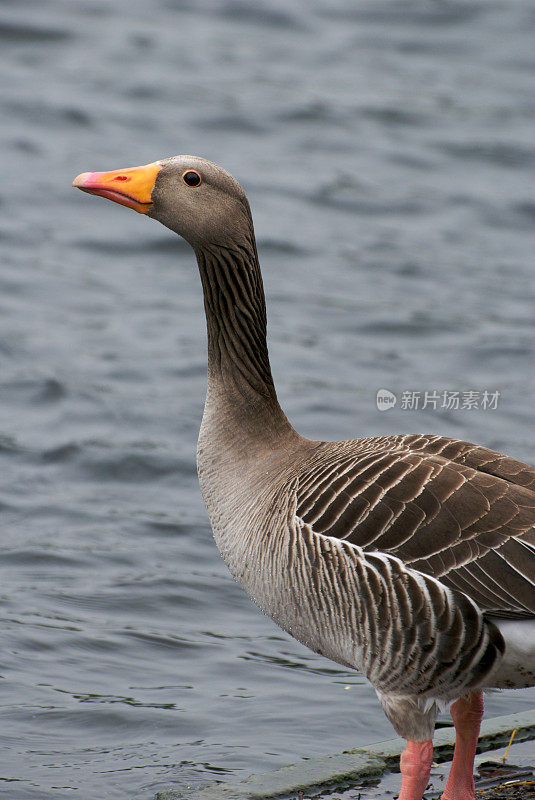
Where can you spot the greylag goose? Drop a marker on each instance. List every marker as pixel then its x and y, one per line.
pixel 409 558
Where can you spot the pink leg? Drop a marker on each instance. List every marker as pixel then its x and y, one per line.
pixel 415 765
pixel 467 713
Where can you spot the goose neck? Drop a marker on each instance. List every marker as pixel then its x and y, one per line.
pixel 240 384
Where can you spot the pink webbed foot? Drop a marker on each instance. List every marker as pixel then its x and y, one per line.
pixel 467 713
pixel 415 766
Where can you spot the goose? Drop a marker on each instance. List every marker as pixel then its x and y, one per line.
pixel 408 557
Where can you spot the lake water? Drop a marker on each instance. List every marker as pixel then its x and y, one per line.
pixel 386 149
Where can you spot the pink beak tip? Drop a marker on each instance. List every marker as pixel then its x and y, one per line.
pixel 81 180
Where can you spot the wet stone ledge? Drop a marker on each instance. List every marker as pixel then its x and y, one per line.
pixel 318 775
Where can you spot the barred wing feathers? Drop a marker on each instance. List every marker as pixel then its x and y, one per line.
pixel 406 631
pixel 457 512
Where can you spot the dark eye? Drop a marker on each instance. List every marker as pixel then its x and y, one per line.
pixel 191 178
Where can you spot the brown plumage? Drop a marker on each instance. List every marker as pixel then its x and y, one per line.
pixel 450 509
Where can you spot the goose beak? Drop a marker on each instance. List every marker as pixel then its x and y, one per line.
pixel 131 187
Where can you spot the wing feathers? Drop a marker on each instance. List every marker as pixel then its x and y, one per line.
pixel 452 510
pixel 411 633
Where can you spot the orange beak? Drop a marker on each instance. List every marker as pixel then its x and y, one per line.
pixel 130 187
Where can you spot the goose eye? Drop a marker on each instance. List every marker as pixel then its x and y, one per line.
pixel 191 178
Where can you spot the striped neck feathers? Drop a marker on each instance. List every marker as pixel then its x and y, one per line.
pixel 241 410
pixel 238 361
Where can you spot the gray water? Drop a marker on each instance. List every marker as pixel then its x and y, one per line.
pixel 386 150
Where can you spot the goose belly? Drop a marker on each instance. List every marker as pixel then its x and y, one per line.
pixel 517 667
pixel 259 560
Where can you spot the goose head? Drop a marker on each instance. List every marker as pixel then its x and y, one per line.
pixel 193 197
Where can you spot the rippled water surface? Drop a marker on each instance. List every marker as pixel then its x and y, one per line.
pixel 386 149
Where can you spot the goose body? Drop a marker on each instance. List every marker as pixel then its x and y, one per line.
pixel 409 558
pixel 311 553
